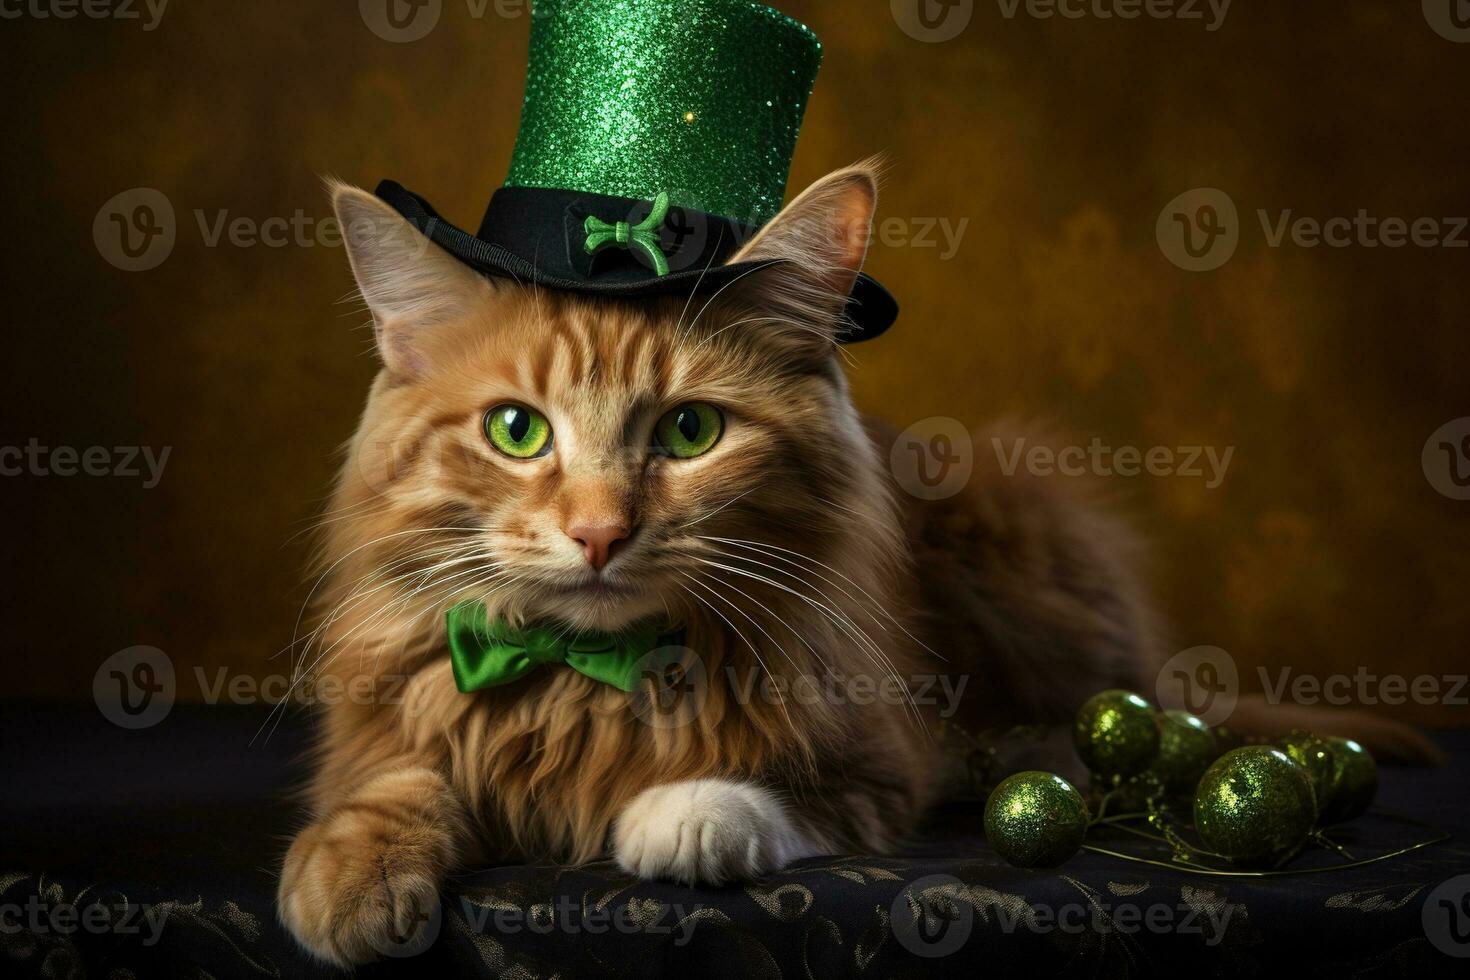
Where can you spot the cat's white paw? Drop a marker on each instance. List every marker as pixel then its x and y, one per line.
pixel 706 831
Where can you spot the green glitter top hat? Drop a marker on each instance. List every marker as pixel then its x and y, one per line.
pixel 700 99
pixel 655 137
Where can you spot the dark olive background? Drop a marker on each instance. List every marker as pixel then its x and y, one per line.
pixel 1060 141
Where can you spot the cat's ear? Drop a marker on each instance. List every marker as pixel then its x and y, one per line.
pixel 408 283
pixel 816 246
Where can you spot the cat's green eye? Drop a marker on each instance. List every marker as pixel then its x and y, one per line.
pixel 689 430
pixel 518 431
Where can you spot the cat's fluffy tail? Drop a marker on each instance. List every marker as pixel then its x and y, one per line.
pixel 1035 587
pixel 1388 740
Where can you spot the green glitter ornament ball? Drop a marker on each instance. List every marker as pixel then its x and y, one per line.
pixel 1035 819
pixel 1315 756
pixel 1117 734
pixel 1254 804
pixel 1186 749
pixel 1354 781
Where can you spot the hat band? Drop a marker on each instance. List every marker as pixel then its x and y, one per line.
pixel 540 235
pixel 553 228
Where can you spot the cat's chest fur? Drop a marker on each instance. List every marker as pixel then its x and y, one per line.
pixel 547 764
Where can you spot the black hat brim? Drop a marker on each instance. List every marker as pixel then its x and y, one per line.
pixel 527 231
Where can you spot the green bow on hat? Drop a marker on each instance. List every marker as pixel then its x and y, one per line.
pixel 489 653
pixel 643 236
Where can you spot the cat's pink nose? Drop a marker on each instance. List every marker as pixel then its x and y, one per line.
pixel 598 541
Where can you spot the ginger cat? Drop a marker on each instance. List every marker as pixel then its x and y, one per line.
pixel 781 550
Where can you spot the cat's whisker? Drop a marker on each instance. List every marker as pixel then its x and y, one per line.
pixel 836 585
pixel 435 609
pixel 318 521
pixel 767 547
pixel 360 511
pixel 832 611
pixel 322 661
pixel 296 630
pixel 679 324
pixel 716 295
pixel 862 518
pixel 306 603
pixel 873 647
pixel 727 503
pixel 778 647
pixel 403 600
pixel 843 622
pixel 826 668
pixel 357 589
pixel 668 613
pixel 756 653
pixel 388 610
pixel 873 650
pixel 327 656
pixel 355 592
pixel 411 564
pixel 736 323
pixel 448 597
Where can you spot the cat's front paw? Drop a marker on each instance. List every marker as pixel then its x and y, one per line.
pixel 706 831
pixel 364 882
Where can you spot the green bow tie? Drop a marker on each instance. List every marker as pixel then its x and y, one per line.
pixel 643 236
pixel 488 654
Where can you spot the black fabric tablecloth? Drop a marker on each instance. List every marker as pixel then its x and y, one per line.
pixel 169 839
